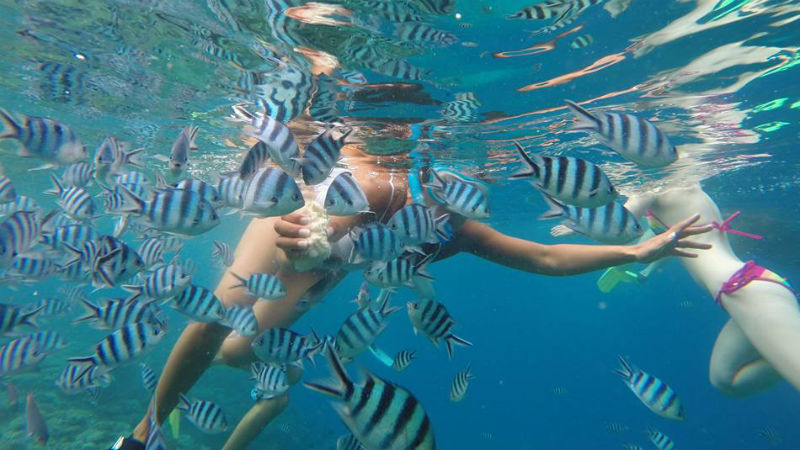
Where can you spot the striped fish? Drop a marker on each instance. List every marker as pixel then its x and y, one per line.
pixel 401 271
pixel 257 157
pixel 151 251
pixel 149 378
pixel 422 33
pixel 7 191
pixel 660 440
pixel 47 341
pixel 582 41
pixel 206 191
pixel 200 304
pixel 460 384
pixel 115 262
pixel 21 203
pixel 242 319
pixel 78 174
pixel 136 182
pixel 43 138
pixel 348 442
pixel 542 11
pixel 80 377
pixel 629 446
pixel 124 345
pixel 172 244
pixel 270 380
pixel 284 93
pixel 467 198
pixel 114 313
pixel 634 138
pixel 63 83
pixel 271 192
pixel 280 345
pixel 19 355
pixel 33 266
pixel 175 211
pixel 360 330
pixel 651 391
pixel 414 224
pixel 432 319
pixel 376 242
pixel 436 6
pixel 393 11
pixel 403 359
pixel 321 155
pixel 223 253
pixel 205 415
pixel 323 106
pixel 380 414
pixel 17 234
pixel 610 224
pixel 262 285
pixel 280 143
pixel 399 68
pixel 73 293
pixel 345 197
pixel 50 306
pixel 75 201
pixel 463 109
pixel 573 181
pixel 231 189
pixel 179 154
pixel 164 282
pixel 74 235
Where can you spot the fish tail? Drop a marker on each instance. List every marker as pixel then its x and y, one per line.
pixel 586 121
pixel 183 402
pixel 531 170
pixel 131 157
pixel 133 289
pixel 84 361
pixel 386 309
pixel 131 203
pixel 344 385
pixel 92 312
pixel 29 318
pixel 556 209
pixel 452 339
pixel 242 281
pixel 58 188
pixel 13 129
pixel 624 370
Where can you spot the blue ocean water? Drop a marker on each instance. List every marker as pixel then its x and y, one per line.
pixel 719 77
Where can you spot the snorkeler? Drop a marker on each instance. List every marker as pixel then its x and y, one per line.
pixel 270 245
pixel 758 345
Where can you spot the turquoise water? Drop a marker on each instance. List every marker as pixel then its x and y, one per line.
pixel 719 77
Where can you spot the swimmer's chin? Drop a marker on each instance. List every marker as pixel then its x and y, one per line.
pixel 319 249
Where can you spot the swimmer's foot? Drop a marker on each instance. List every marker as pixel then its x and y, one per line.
pixel 127 443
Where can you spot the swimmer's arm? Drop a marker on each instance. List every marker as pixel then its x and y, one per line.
pixel 567 259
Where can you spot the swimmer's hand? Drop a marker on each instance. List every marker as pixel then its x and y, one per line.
pixel 673 242
pixel 293 233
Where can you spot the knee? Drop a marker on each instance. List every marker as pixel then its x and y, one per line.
pixel 722 382
pixel 237 352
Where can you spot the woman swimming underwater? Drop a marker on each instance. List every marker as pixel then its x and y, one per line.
pixel 270 246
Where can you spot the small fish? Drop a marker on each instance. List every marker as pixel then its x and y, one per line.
pixel 610 224
pixel 74 235
pixel 136 182
pixel 36 427
pixel 404 270
pixel 19 355
pixel 151 250
pixel 164 282
pixel 75 201
pixel 403 359
pixel 323 106
pixel 573 181
pixel 188 265
pixel 414 224
pixel 200 304
pixel 651 391
pixel 115 262
pixel 270 380
pixel 380 414
pixel 262 285
pixel 271 192
pixel 660 440
pixel 425 34
pixel 223 253
pixel 114 313
pixel 321 156
pixel 242 319
pixel 47 341
pixel 12 316
pixel 345 197
pixel 78 174
pixel 582 41
pixel 376 242
pixel 257 157
pixel 769 434
pixel 616 427
pixel 281 345
pixel 20 204
pixel 432 319
pixel 634 138
pixel 348 442
pixel 17 234
pixel 231 189
pixel 80 377
pixel 205 190
pixel 172 244
pixel 33 266
pixel 460 384
pixel 174 211
pixel 124 345
pixel 43 138
pixel 363 298
pixel 629 446
pixel 280 143
pixel 541 11
pixel 7 191
pixel 463 109
pixel 360 329
pixel 179 154
pixel 205 415
pixel 467 198
pixel 149 378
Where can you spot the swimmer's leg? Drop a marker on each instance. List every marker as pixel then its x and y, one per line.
pixel 737 369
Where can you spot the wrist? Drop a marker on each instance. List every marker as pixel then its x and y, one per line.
pixel 633 253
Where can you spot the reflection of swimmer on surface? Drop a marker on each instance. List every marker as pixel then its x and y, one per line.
pixel 759 343
pixel 268 246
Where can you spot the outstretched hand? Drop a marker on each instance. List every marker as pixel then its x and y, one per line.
pixel 674 242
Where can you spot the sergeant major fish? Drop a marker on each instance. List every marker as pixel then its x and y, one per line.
pixel 610 224
pixel 360 329
pixel 124 345
pixel 651 391
pixel 321 155
pixel 431 318
pixel 271 192
pixel 467 198
pixel 174 211
pixel 345 197
pixel 179 154
pixel 205 415
pixel 270 380
pixel 261 285
pixel 43 138
pixel 460 384
pixel 282 345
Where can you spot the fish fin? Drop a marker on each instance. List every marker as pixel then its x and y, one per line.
pixel 191 133
pixel 162 158
pixel 242 281
pixel 556 209
pixel 343 382
pixel 586 121
pixel 76 256
pixel 415 249
pixel 183 402
pixel 85 360
pixel 386 309
pixel 57 188
pixel 131 157
pixel 451 339
pixel 133 288
pixel 131 203
pixel 531 171
pixel 561 230
pixel 13 128
pixel 29 318
pixel 625 370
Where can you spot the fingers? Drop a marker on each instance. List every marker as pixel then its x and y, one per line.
pixel 691 231
pixel 290 229
pixel 683 254
pixel 680 226
pixel 296 218
pixel 692 244
pixel 291 244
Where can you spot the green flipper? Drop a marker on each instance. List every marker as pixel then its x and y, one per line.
pixel 615 275
pixel 175 423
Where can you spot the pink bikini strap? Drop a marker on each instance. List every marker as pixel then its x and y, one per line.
pixel 725 227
